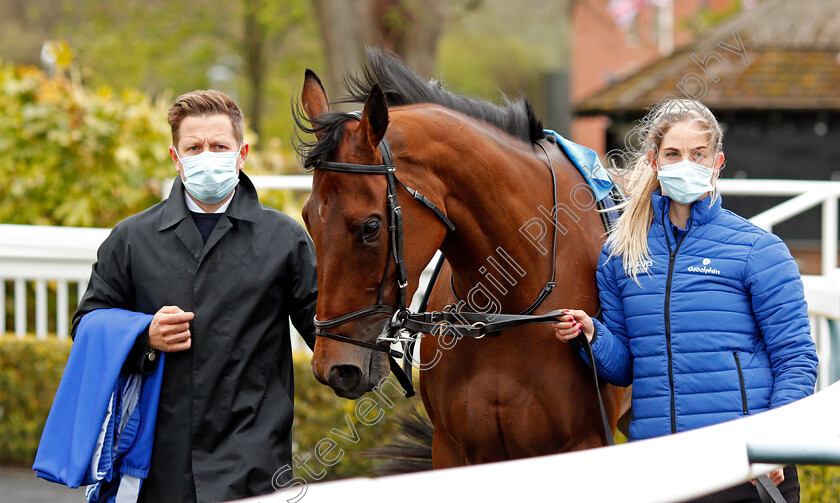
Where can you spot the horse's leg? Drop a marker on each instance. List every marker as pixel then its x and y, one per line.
pixel 445 451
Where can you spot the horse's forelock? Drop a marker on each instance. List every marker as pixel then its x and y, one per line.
pixel 313 152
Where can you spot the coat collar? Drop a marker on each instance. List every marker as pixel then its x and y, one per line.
pixel 244 206
pixel 701 211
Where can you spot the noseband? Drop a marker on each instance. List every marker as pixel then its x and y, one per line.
pixel 400 312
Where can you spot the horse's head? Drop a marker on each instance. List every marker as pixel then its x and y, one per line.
pixel 349 218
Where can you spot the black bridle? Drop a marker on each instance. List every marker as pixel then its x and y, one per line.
pixel 400 312
pixel 401 317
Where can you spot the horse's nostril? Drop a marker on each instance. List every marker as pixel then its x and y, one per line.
pixel 344 377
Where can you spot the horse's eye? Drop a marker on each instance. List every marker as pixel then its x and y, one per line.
pixel 370 228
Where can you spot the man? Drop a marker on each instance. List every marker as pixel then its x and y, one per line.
pixel 222 275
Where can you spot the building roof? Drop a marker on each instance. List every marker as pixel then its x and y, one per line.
pixel 794 64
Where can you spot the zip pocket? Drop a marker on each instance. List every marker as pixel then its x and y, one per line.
pixel 741 380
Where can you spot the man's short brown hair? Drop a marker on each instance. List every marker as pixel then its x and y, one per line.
pixel 204 102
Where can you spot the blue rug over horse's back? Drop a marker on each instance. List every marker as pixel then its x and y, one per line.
pixel 587 162
pixel 607 194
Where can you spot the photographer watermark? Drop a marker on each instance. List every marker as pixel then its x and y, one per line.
pixel 368 411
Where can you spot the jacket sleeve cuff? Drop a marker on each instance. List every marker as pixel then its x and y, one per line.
pixel 141 359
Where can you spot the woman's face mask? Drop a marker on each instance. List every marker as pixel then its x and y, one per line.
pixel 678 159
pixel 685 181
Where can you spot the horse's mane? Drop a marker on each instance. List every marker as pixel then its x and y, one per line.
pixel 402 86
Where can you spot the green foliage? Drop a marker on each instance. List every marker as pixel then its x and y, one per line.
pixel 318 410
pixel 75 157
pixel 489 68
pixel 169 47
pixel 30 370
pixel 819 483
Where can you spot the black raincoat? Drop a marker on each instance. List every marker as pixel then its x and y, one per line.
pixel 226 404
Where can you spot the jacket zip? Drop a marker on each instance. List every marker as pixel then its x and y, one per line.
pixel 743 386
pixel 672 259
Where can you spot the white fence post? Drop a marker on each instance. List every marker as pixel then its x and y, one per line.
pixel 61 309
pixel 2 306
pixel 829 235
pixel 823 340
pixel 41 309
pixel 81 286
pixel 20 307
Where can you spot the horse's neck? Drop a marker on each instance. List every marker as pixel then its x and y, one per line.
pixel 502 250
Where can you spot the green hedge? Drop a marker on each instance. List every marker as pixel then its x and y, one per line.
pixel 30 370
pixel 318 411
pixel 819 483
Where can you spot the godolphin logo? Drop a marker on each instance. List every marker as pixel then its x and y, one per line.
pixel 705 269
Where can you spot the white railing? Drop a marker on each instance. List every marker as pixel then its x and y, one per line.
pixel 40 255
pixel 671 468
pixel 807 195
pixel 59 258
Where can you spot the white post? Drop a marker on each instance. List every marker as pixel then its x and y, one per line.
pixel 2 306
pixel 80 290
pixel 41 309
pixel 20 307
pixel 829 235
pixel 665 27
pixel 61 309
pixel 824 343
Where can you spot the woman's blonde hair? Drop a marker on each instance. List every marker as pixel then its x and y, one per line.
pixel 629 239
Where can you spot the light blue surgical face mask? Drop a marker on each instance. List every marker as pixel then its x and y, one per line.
pixel 210 176
pixel 685 181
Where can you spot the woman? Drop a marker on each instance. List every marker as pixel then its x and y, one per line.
pixel 703 311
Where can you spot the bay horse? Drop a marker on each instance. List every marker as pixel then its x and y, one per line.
pixel 520 394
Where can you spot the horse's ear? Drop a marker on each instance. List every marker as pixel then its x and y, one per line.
pixel 314 98
pixel 374 121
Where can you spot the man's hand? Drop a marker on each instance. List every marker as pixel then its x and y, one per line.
pixel 170 330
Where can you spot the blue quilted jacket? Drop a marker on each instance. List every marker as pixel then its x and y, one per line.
pixel 717 328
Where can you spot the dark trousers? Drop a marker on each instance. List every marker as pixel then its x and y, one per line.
pixel 747 493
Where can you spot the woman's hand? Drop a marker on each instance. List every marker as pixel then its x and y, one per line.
pixel 573 324
pixel 776 477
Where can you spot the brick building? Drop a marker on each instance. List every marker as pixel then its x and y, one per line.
pixel 772 76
